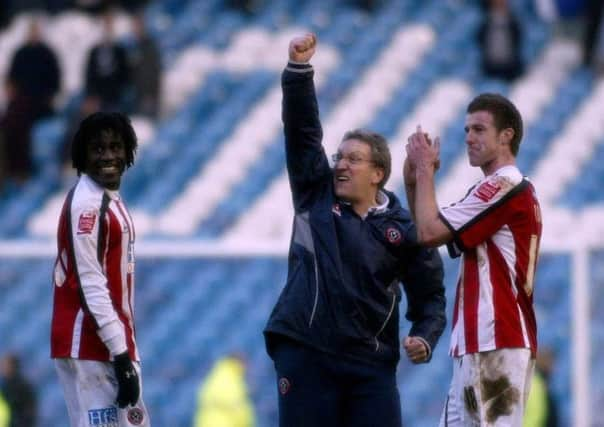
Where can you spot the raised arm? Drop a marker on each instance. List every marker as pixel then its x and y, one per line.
pixel 423 158
pixel 306 160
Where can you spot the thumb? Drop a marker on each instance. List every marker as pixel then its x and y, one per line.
pixel 407 342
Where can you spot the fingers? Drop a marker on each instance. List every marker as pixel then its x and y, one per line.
pixel 304 43
pixel 307 42
pixel 415 349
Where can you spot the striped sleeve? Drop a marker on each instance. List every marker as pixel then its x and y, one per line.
pixel 481 213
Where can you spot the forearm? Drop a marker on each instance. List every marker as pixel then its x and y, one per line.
pixel 410 191
pixel 305 157
pixel 425 209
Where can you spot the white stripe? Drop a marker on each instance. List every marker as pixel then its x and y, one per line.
pixel 525 336
pixel 120 213
pixel 486 309
pixel 457 336
pixel 504 241
pixel 77 334
pixel 128 295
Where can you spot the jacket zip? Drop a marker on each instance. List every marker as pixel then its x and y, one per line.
pixel 314 308
pixel 377 343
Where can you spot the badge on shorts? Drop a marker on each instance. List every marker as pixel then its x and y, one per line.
pixel 284 385
pixel 135 416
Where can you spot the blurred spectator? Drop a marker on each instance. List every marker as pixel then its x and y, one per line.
pixel 18 393
pixel 34 72
pixel 594 35
pixel 223 399
pixel 499 37
pixel 32 82
pixel 541 407
pixel 145 66
pixel 368 5
pixel 4 412
pixel 107 74
pixel 249 7
pixel 5 15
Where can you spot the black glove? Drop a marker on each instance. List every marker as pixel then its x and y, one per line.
pixel 128 388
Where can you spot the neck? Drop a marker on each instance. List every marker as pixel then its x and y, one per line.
pixel 361 207
pixel 496 164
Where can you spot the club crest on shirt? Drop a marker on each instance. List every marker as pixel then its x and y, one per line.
pixel 393 235
pixel 487 191
pixel 336 209
pixel 86 222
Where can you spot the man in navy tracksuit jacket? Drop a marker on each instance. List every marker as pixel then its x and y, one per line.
pixel 334 333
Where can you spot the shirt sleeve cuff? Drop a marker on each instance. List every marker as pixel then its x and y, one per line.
pixel 298 67
pixel 112 335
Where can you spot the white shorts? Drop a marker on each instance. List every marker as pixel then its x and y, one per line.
pixel 489 389
pixel 90 390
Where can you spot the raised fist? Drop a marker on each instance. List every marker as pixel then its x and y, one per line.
pixel 302 48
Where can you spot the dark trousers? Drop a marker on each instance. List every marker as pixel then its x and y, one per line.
pixel 318 389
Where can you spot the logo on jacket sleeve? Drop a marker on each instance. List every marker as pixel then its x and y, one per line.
pixel 393 235
pixel 86 222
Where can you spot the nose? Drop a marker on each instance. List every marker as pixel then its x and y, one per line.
pixel 107 154
pixel 341 163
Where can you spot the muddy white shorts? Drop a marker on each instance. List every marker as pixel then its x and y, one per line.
pixel 489 389
pixel 90 390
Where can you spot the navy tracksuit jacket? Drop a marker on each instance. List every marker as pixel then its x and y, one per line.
pixel 343 284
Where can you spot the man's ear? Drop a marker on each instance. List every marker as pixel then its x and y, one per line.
pixel 506 136
pixel 377 176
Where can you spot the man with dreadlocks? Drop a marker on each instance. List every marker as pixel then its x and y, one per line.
pixel 93 335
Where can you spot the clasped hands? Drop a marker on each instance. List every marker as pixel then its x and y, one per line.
pixel 422 153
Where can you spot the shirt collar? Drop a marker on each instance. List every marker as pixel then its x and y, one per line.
pixel 383 202
pixel 113 194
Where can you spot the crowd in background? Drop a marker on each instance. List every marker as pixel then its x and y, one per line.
pixel 126 76
pixel 118 76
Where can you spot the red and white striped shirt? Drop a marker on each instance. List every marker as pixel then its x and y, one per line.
pixel 93 314
pixel 497 229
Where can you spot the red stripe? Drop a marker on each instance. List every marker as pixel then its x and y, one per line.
pixel 470 300
pixel 456 306
pixel 508 329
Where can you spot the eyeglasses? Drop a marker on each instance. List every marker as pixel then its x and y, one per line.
pixel 352 159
